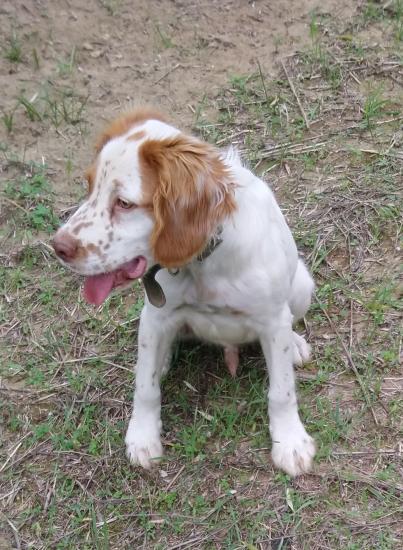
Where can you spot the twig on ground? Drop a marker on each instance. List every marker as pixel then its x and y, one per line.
pixel 171 70
pixel 15 532
pixel 295 95
pixel 15 204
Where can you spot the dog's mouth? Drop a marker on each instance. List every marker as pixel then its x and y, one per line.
pixel 98 287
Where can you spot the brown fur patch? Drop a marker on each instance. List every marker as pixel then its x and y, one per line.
pixel 82 251
pixel 191 192
pixel 80 226
pixel 137 136
pixel 94 248
pixel 123 124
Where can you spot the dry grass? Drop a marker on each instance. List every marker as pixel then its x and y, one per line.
pixel 327 134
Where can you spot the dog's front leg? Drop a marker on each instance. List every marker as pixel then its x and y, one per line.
pixel 292 448
pixel 143 441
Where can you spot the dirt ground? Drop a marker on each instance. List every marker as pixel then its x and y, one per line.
pixel 168 53
pixel 311 93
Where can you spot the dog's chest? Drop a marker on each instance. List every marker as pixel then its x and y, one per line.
pixel 217 313
pixel 218 325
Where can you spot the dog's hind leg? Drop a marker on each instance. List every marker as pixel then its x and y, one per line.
pixel 301 296
pixel 301 292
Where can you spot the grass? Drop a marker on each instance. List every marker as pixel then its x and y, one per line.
pixel 66 368
pixel 66 67
pixel 111 6
pixel 61 105
pixel 164 41
pixel 374 107
pixel 8 120
pixel 13 51
pixel 31 195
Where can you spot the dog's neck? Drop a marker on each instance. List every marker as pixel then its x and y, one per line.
pixel 154 291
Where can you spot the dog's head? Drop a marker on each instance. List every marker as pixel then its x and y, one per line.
pixel 156 195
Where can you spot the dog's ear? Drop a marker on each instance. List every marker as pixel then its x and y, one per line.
pixel 191 193
pixel 90 175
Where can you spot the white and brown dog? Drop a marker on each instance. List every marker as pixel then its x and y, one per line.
pixel 215 254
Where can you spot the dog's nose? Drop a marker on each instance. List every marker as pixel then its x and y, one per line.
pixel 65 246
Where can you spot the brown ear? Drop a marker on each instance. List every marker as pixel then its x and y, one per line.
pixel 89 175
pixel 191 193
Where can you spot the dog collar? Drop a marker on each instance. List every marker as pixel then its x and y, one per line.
pixel 153 289
pixel 215 241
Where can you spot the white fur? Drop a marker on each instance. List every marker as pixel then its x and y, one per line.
pixel 252 287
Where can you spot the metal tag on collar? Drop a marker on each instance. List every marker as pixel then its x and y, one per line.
pixel 154 292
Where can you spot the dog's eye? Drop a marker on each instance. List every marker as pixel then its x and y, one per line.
pixel 125 205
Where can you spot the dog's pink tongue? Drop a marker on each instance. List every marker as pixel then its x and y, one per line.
pixel 98 287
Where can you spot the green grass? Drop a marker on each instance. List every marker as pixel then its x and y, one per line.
pixel 111 6
pixel 164 41
pixel 373 107
pixel 13 50
pixel 66 67
pixel 62 106
pixel 8 120
pixel 30 109
pixel 32 196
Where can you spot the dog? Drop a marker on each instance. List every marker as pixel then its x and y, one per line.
pixel 215 254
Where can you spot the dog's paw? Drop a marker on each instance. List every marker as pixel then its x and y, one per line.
pixel 143 446
pixel 293 451
pixel 302 350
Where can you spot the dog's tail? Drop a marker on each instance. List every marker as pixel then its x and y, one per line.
pixel 231 156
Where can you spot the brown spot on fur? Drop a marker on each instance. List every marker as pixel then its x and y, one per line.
pixel 123 124
pixel 191 193
pixel 80 226
pixel 94 203
pixel 82 251
pixel 117 183
pixel 137 136
pixel 94 248
pixel 110 236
